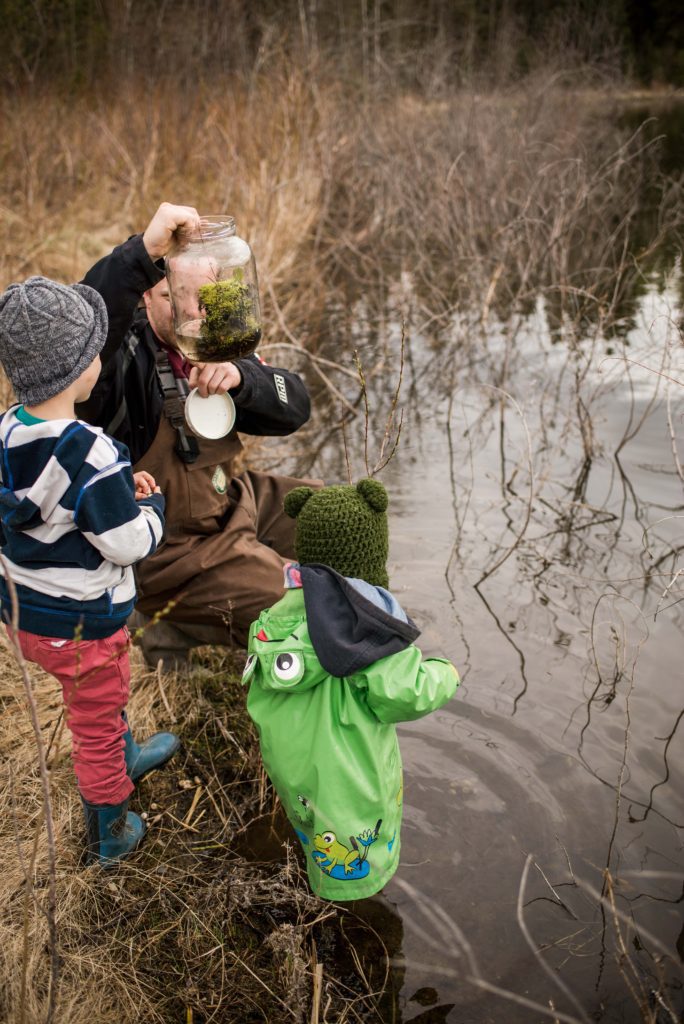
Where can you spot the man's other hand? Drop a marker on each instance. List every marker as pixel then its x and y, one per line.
pixel 214 378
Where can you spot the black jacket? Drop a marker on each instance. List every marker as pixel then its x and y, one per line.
pixel 127 400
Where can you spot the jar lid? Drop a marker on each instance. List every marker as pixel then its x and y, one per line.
pixel 210 417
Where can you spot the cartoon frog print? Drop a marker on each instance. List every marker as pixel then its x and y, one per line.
pixel 338 860
pixel 335 853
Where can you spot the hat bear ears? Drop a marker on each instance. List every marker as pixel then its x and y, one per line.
pixel 371 491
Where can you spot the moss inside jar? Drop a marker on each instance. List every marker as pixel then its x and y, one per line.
pixel 229 329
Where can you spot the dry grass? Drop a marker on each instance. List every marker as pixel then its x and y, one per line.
pixel 480 197
pixel 80 174
pixel 185 925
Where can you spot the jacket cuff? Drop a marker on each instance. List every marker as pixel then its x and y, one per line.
pixel 248 390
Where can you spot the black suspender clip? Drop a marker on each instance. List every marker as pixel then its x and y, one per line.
pixel 175 390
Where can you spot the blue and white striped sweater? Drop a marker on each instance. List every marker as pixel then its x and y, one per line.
pixel 70 527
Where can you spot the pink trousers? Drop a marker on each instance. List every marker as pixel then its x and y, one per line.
pixel 95 677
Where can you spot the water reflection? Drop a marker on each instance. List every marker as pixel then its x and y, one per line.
pixel 536 505
pixel 533 532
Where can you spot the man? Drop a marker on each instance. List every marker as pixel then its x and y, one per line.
pixel 227 536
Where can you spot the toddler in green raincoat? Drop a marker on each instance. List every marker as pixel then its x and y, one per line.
pixel 332 667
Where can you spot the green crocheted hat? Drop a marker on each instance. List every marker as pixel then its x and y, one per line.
pixel 343 527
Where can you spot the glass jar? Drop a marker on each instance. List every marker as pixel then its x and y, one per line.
pixel 214 293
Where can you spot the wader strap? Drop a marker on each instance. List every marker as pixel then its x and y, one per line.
pixel 175 391
pixel 132 342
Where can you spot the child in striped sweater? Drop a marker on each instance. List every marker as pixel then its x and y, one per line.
pixel 74 519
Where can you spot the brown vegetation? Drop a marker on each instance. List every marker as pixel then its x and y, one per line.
pixel 480 202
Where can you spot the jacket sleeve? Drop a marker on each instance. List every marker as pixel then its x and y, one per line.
pixel 121 278
pixel 403 687
pixel 122 529
pixel 270 401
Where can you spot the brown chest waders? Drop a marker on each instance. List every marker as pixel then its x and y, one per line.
pixel 226 539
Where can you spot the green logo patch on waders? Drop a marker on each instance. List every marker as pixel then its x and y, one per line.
pixel 219 480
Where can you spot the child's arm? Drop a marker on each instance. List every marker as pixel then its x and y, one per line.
pixel 107 514
pixel 403 687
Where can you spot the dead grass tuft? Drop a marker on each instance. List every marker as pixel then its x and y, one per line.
pixel 185 924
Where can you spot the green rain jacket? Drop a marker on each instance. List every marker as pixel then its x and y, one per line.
pixel 328 739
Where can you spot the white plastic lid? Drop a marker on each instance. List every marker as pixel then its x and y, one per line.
pixel 210 417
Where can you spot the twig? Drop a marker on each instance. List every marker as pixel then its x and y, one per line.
pixel 296 346
pixel 29 892
pixel 625 957
pixel 380 464
pixel 555 978
pixel 364 394
pixel 561 902
pixel 346 452
pixel 314 361
pixel 47 801
pixel 190 828
pixel 521 533
pixel 635 362
pixel 216 807
pixel 643 932
pixel 162 691
pixel 673 440
pixel 317 986
pixel 195 800
pixel 498 270
pixel 450 931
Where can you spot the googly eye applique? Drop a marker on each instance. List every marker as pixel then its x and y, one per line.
pixel 288 668
pixel 250 665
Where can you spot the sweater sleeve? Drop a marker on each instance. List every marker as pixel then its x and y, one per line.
pixel 403 686
pixel 122 529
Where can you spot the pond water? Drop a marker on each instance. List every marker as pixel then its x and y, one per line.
pixel 535 524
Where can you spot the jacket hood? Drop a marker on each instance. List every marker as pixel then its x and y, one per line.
pixel 351 628
pixel 346 629
pixel 23 508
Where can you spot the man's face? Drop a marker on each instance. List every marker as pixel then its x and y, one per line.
pixel 158 306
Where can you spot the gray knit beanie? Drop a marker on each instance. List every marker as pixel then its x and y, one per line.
pixel 49 334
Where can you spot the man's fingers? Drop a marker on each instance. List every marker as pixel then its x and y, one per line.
pixel 210 380
pixel 214 378
pixel 187 219
pixel 168 219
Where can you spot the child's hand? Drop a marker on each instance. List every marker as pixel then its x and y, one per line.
pixel 144 484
